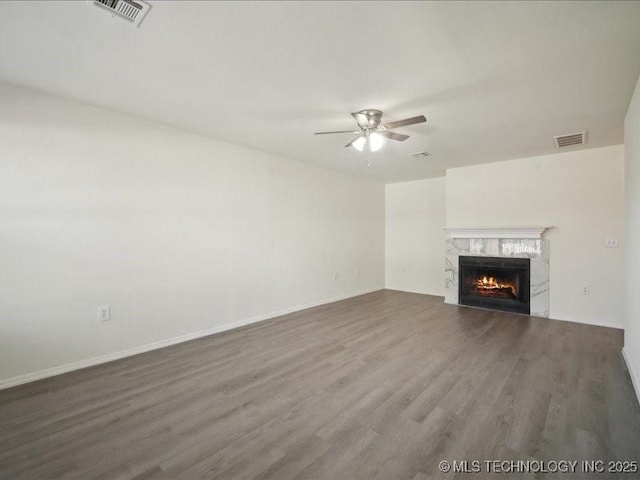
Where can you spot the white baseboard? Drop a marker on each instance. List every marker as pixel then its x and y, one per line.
pixel 593 324
pixel 632 373
pixel 421 292
pixel 90 362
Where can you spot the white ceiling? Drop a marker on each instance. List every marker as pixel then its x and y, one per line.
pixel 495 80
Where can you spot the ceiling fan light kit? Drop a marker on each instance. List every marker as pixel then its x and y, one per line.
pixel 359 143
pixel 374 141
pixel 373 133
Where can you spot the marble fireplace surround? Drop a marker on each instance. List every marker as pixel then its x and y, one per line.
pixel 521 242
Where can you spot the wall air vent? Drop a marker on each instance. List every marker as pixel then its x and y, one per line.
pixel 423 154
pixel 571 139
pixel 129 10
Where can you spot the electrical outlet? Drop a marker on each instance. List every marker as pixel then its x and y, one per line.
pixel 586 290
pixel 104 313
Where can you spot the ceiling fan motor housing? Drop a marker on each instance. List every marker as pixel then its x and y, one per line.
pixel 374 117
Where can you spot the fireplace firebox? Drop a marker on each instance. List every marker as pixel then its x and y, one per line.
pixel 499 283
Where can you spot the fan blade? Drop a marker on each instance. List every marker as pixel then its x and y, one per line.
pixel 351 142
pixel 406 121
pixel 394 136
pixel 337 131
pixel 361 118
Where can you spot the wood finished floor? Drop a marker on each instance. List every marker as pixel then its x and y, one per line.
pixel 382 386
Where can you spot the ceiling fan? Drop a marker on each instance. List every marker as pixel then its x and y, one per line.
pixel 372 132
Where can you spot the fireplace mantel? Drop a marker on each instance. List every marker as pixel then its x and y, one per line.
pixel 496 232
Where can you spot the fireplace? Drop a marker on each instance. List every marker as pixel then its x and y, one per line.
pixel 498 283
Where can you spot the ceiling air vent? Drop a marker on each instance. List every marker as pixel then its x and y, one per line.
pixel 423 154
pixel 129 10
pixel 571 139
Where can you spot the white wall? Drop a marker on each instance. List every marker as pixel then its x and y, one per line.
pixel 632 256
pixel 177 232
pixel 414 245
pixel 580 194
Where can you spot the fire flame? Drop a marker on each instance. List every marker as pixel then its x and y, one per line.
pixel 490 283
